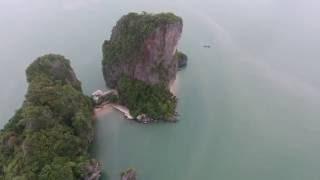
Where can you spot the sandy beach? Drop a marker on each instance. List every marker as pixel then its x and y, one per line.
pixel 174 86
pixel 103 110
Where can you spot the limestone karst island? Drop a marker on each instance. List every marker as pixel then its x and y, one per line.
pixel 140 61
pixel 49 136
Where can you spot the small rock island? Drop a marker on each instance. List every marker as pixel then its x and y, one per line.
pixel 49 136
pixel 141 60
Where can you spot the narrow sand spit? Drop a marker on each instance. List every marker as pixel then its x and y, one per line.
pixel 123 110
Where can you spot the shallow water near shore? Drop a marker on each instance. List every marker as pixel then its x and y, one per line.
pixel 249 105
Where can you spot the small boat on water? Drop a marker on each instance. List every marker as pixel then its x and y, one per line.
pixel 206 46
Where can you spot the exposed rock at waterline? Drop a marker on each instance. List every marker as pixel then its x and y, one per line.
pixel 182 59
pixel 93 170
pixel 129 174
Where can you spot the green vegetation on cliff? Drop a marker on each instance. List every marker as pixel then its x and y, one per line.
pixel 54 67
pixel 182 59
pixel 49 135
pixel 156 101
pixel 140 63
pixel 130 32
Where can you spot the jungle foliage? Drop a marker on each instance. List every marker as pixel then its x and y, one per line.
pixel 156 101
pixel 48 137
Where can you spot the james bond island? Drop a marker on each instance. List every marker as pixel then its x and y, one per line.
pixel 141 61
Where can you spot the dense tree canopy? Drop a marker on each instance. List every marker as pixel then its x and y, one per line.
pixel 156 101
pixel 48 137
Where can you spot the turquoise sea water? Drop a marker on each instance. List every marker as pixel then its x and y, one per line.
pixel 249 105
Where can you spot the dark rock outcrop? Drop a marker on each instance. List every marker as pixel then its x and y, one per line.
pixel 93 170
pixel 182 60
pixel 129 174
pixel 143 47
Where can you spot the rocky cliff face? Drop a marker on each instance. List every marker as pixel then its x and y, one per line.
pixel 143 47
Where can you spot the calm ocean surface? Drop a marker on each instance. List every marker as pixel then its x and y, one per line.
pixel 249 105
